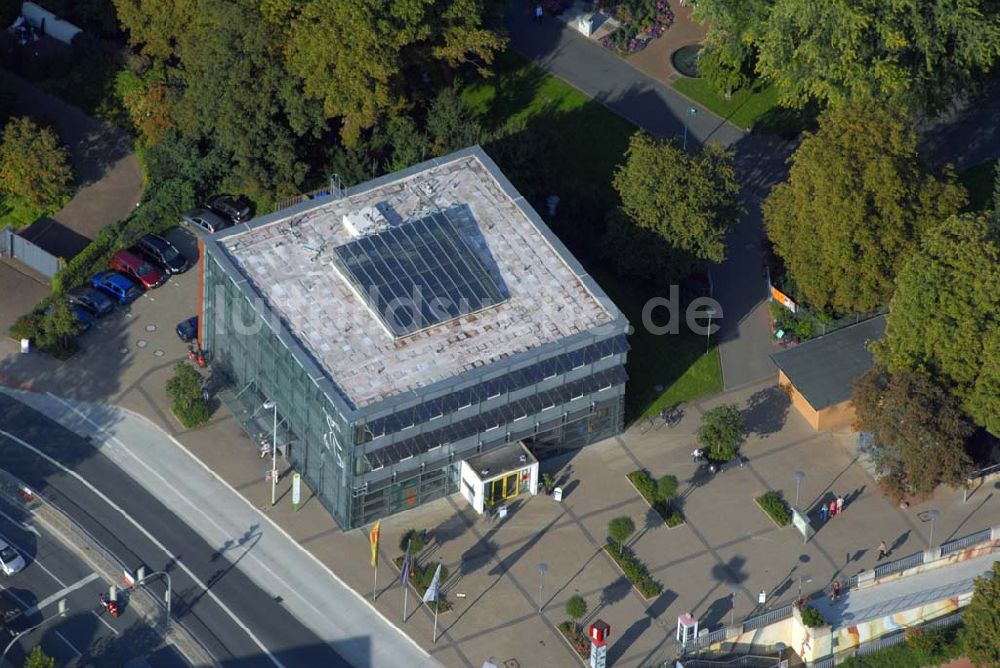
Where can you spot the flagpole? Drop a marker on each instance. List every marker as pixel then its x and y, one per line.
pixel 406 595
pixel 375 581
pixel 436 606
pixel 405 577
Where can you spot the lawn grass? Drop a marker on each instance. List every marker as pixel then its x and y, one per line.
pixel 979 180
pixel 744 108
pixel 587 142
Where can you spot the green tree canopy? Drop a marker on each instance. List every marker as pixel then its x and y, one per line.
pixel 918 429
pixel 619 529
pixel 690 199
pixel 729 52
pixel 722 431
pixel 33 165
pixel 576 607
pixel 901 53
pixel 39 659
pixel 944 319
pixel 855 203
pixel 980 632
pixel 352 55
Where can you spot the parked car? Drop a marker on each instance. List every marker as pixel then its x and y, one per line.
pixel 137 269
pixel 91 299
pixel 161 252
pixel 121 288
pixel 10 561
pixel 234 207
pixel 205 220
pixel 10 611
pixel 188 330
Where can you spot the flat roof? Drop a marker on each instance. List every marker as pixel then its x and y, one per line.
pixel 288 257
pixel 823 370
pixel 505 459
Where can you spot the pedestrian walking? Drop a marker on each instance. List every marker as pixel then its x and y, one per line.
pixel 883 551
pixel 840 504
pixel 539 13
pixel 824 513
pixel 833 508
pixel 835 591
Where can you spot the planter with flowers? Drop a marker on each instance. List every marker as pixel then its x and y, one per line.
pixel 641 21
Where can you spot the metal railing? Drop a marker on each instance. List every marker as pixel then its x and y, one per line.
pixel 766 618
pixel 745 661
pixel 899 565
pixel 962 543
pixel 334 189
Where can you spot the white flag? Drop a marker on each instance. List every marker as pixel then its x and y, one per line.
pixel 432 592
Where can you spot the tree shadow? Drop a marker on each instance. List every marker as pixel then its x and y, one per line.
pixel 766 411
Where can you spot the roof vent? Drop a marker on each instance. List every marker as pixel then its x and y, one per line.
pixel 365 221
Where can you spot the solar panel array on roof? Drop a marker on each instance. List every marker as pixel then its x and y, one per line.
pixel 418 274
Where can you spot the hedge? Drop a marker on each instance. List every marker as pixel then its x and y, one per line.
pixel 812 617
pixel 775 506
pixel 634 570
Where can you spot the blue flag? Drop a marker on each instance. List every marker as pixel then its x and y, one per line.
pixel 404 574
pixel 432 592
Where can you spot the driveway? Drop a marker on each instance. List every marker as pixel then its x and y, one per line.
pixel 107 172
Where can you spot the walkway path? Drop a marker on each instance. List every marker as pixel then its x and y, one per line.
pixel 905 593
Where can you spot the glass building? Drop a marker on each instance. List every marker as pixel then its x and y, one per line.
pixel 405 325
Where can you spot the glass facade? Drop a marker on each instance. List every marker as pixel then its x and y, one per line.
pixel 394 455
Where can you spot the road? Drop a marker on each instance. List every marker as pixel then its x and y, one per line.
pixel 83 636
pixel 239 623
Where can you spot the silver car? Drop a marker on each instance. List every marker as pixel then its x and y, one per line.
pixel 205 220
pixel 10 561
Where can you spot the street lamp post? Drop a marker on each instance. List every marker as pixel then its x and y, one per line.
pixel 691 111
pixel 803 578
pixel 141 576
pixel 933 514
pixel 708 332
pixel 61 613
pixel 799 477
pixel 273 406
pixel 781 647
pixel 732 601
pixel 542 570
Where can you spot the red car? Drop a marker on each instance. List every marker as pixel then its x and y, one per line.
pixel 138 269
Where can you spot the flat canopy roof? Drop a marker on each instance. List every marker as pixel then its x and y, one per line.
pixel 295 260
pixel 498 461
pixel 823 370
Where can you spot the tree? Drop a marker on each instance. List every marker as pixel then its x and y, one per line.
pixel 666 488
pixel 409 145
pixel 944 319
pixel 980 634
pixel 351 56
pixel 690 199
pixel 576 607
pixel 729 54
pixel 853 207
pixel 721 432
pixel 451 124
pixel 620 528
pixel 33 165
pixel 39 659
pixel 184 391
pixel 903 54
pixel 918 430
pixel 59 326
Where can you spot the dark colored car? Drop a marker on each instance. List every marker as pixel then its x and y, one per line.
pixel 137 269
pixel 161 252
pixel 205 220
pixel 234 207
pixel 91 299
pixel 10 611
pixel 83 316
pixel 188 330
pixel 123 290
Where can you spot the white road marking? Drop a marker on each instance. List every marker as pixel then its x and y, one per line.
pixel 104 621
pixel 23 525
pixel 69 644
pixel 48 600
pixel 239 622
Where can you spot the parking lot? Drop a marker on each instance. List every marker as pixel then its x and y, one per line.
pixel 86 634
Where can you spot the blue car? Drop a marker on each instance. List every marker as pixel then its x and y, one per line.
pixel 116 285
pixel 83 316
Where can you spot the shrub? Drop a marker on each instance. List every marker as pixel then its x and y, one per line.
pixel 417 539
pixel 548 483
pixel 576 607
pixel 634 570
pixel 658 494
pixel 775 506
pixel 620 528
pixel 675 518
pixel 645 484
pixel 184 390
pixel 51 326
pixel 812 617
pixel 576 637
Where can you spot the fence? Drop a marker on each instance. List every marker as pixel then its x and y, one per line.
pixel 899 565
pixel 962 543
pixel 745 661
pixel 771 617
pixel 335 189
pixel 17 247
pixel 17 493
